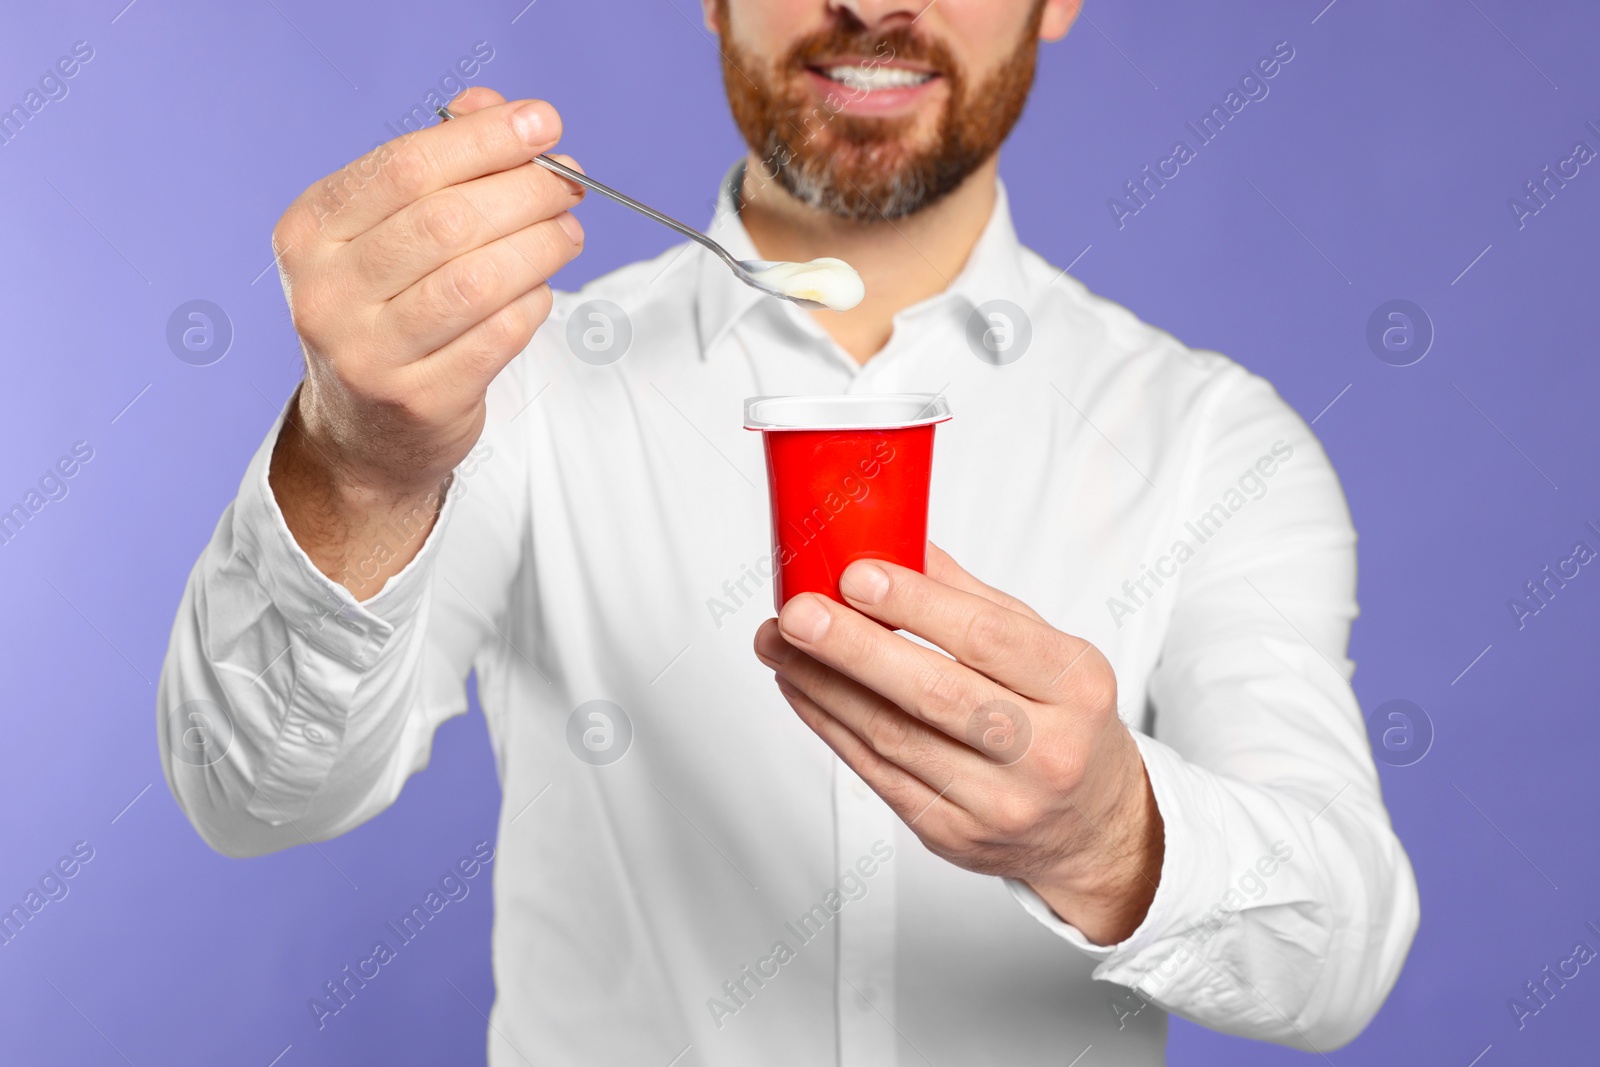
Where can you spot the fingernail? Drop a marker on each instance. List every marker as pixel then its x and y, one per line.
pixel 865 583
pixel 529 122
pixel 570 226
pixel 804 619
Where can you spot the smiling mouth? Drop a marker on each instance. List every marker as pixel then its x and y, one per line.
pixel 871 78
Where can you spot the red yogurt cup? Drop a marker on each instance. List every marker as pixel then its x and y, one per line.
pixel 848 478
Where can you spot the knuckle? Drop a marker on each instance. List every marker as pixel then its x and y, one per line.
pixel 551 250
pixel 853 645
pixel 1095 683
pixel 1012 815
pixel 443 223
pixel 988 634
pixel 308 310
pixel 467 287
pixel 940 693
pixel 291 229
pixel 888 729
pixel 1060 764
pixel 508 328
pixel 399 398
pixel 410 170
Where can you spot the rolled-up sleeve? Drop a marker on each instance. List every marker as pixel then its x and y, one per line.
pixel 1286 905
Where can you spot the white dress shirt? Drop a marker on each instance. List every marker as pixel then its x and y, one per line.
pixel 727 889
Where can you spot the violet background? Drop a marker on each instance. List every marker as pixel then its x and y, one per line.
pixel 1393 142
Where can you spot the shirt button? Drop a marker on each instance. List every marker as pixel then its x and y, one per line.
pixel 315 734
pixel 860 788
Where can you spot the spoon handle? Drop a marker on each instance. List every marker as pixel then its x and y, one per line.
pixel 626 201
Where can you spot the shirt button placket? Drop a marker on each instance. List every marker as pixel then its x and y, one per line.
pixel 866 935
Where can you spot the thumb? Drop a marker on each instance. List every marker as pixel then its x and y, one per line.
pixel 475 98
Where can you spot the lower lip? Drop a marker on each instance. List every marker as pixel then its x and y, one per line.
pixel 877 102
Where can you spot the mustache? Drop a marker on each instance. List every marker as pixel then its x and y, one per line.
pixel 902 42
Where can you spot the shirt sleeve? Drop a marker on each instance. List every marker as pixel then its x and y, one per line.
pixel 1286 905
pixel 292 710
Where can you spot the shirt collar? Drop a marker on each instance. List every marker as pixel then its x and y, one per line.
pixel 993 270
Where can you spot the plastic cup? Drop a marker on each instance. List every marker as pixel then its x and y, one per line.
pixel 848 479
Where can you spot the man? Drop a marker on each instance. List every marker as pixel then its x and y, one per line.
pixel 1136 759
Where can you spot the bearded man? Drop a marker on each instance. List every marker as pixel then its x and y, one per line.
pixel 808 854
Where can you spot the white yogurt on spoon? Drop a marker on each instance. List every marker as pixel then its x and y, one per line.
pixel 830 282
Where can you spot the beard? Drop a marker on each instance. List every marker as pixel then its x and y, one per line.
pixel 864 169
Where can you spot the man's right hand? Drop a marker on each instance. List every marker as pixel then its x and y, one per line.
pixel 413 276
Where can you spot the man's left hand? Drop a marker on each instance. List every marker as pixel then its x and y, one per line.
pixel 1008 759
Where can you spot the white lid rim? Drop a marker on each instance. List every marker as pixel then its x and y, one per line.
pixel 882 411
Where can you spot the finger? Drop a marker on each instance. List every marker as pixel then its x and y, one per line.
pixel 468 289
pixel 910 744
pixel 475 98
pixel 930 686
pixel 1018 651
pixel 942 567
pixel 908 796
pixel 423 236
pixel 403 171
pixel 458 374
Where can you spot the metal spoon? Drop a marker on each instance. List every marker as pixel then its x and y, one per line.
pixel 743 269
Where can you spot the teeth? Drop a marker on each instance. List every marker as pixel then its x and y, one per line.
pixel 870 79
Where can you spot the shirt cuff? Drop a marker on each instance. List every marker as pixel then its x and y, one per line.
pixel 334 640
pixel 325 614
pixel 1193 858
